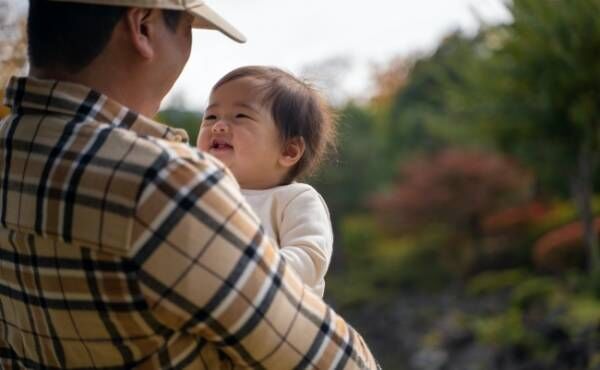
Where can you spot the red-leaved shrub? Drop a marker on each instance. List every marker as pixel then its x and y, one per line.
pixel 561 249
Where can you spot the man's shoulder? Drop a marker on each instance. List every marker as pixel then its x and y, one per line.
pixel 145 165
pixel 154 153
pixel 89 178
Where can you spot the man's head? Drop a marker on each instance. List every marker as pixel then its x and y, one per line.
pixel 131 50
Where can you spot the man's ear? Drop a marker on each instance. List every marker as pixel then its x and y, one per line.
pixel 292 151
pixel 141 23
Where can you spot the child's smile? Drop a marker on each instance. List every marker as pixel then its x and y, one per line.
pixel 239 130
pixel 219 147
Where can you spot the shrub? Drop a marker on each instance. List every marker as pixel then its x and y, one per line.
pixel 516 218
pixel 495 281
pixel 376 265
pixel 561 249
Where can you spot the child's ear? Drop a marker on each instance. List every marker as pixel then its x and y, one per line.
pixel 292 152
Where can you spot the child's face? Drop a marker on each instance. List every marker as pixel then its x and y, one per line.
pixel 239 130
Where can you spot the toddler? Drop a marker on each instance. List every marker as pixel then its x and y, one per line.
pixel 270 129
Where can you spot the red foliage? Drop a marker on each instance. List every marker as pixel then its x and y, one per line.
pixel 562 248
pixel 514 218
pixel 454 187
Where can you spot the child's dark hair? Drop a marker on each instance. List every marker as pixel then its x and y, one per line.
pixel 298 110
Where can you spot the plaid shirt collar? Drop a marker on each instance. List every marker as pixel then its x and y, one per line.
pixel 66 98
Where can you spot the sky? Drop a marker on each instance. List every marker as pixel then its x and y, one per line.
pixel 312 38
pixel 333 43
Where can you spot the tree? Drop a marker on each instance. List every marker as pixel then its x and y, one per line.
pixel 389 79
pixel 538 94
pixel 419 94
pixel 455 188
pixel 358 168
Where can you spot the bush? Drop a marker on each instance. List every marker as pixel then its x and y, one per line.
pixel 535 291
pixel 551 322
pixel 561 249
pixel 376 266
pixel 582 314
pixel 505 329
pixel 495 281
pixel 515 219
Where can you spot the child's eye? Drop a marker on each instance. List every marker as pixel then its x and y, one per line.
pixel 209 119
pixel 241 115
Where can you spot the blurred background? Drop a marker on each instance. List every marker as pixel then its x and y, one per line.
pixel 464 192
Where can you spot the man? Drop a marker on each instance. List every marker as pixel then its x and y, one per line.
pixel 120 246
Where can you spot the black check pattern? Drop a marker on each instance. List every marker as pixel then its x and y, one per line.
pixel 122 247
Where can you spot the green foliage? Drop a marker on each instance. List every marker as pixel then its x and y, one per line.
pixel 413 265
pixel 377 266
pixel 542 102
pixel 419 119
pixel 560 214
pixel 359 235
pixel 509 330
pixel 529 88
pixel 188 120
pixel 533 291
pixel 544 318
pixel 359 167
pixel 503 329
pixel 582 312
pixel 491 282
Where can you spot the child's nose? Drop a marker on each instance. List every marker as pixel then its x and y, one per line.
pixel 220 126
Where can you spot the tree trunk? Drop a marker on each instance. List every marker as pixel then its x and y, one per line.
pixel 582 191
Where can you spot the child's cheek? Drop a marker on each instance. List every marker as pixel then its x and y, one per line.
pixel 201 142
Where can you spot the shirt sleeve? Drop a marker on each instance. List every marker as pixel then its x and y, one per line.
pixel 306 238
pixel 207 269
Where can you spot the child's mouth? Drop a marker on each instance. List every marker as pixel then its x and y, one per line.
pixel 220 146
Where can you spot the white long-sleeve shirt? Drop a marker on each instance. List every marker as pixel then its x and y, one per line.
pixel 297 218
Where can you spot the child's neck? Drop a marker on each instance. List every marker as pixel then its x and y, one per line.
pixel 267 185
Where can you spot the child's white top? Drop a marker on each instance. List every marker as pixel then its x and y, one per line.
pixel 297 218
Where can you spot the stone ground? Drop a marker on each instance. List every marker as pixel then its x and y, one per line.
pixel 429 332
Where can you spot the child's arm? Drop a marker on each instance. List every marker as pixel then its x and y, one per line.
pixel 306 238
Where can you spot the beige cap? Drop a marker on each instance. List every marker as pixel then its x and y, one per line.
pixel 204 16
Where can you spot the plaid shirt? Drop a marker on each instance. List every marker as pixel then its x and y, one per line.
pixel 122 247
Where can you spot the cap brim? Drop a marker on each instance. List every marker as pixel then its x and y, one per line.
pixel 205 17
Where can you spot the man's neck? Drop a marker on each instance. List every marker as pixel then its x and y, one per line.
pixel 116 88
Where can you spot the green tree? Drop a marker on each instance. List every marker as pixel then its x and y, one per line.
pixel 538 93
pixel 420 118
pixel 358 168
pixel 188 120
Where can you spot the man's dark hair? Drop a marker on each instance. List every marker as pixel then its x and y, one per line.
pixel 70 35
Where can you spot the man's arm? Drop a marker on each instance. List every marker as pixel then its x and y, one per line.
pixel 207 269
